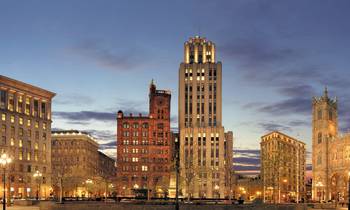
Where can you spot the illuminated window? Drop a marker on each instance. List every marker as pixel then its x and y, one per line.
pixel 36 156
pixel 20 121
pixel 12 119
pixel 20 155
pixel 20 104
pixel 20 143
pixel 11 102
pixel 36 146
pixel 135 159
pixel 44 126
pixel 36 124
pixel 29 123
pixel 12 142
pixel 3 117
pixel 29 155
pixel 144 168
pixel 27 110
pixel 44 148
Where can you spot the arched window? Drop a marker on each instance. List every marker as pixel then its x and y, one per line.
pixel 125 125
pixel 319 138
pixel 319 159
pixel 319 114
pixel 330 115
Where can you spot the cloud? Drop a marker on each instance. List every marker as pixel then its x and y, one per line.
pixel 270 126
pixel 113 58
pixel 73 99
pixel 86 116
pixel 246 161
pixel 109 145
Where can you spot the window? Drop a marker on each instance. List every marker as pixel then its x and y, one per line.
pixel 21 120
pixel 145 125
pixel 330 115
pixel 29 155
pixel 44 126
pixel 135 125
pixel 36 124
pixel 319 114
pixel 11 102
pixel 125 125
pixel 20 104
pixel 27 110
pixel 29 123
pixel 12 142
pixel 36 107
pixel 144 168
pixel 12 119
pixel 20 155
pixel 319 138
pixel 20 143
pixel 2 99
pixel 43 109
pixel 3 117
pixel 29 169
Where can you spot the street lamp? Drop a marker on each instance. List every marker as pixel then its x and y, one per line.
pixel 37 175
pixel 4 161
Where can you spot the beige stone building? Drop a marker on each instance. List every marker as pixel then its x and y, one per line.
pixel 330 151
pixel 77 162
pixel 283 165
pixel 203 146
pixel 26 137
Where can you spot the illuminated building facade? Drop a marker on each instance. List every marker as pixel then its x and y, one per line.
pixel 83 169
pixel 330 152
pixel 143 149
pixel 283 165
pixel 26 136
pixel 204 161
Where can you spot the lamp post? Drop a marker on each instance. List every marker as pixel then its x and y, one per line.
pixel 37 175
pixel 4 161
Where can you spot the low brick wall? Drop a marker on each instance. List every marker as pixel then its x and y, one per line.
pixel 119 206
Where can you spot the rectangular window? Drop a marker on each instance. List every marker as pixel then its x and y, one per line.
pixel 2 99
pixel 3 117
pixel 36 107
pixel 43 109
pixel 11 102
pixel 12 119
pixel 20 104
pixel 27 110
pixel 20 120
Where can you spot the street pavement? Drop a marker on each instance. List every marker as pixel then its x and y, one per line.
pixel 22 208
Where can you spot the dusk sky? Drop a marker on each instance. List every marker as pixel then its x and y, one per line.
pixel 100 56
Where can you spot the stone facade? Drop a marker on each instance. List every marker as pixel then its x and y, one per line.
pixel 77 162
pixel 330 151
pixel 203 156
pixel 283 165
pixel 144 149
pixel 26 137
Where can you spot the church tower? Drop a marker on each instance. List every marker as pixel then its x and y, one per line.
pixel 324 131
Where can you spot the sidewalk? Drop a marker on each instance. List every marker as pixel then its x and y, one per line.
pixel 22 207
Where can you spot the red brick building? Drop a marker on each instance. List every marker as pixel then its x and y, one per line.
pixel 143 149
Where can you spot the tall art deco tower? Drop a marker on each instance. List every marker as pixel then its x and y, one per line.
pixel 205 150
